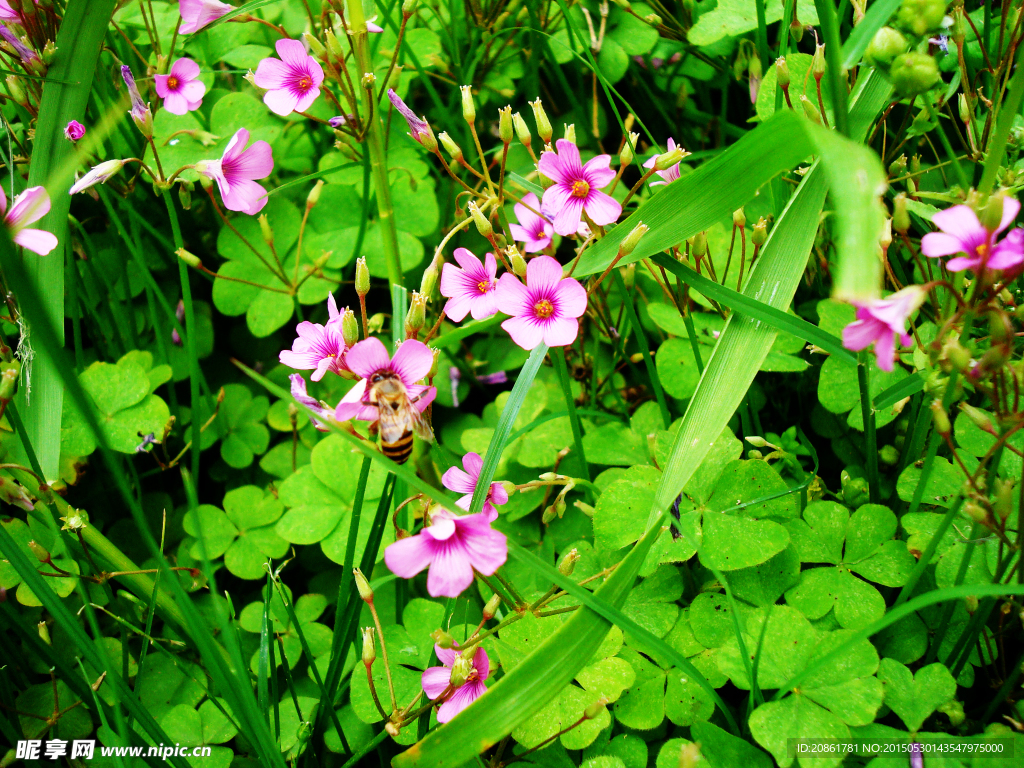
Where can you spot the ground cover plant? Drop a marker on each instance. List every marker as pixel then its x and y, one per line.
pixel 569 383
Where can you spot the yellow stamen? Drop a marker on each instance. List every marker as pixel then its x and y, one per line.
pixel 543 309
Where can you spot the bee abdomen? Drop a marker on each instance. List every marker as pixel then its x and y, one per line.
pixel 400 450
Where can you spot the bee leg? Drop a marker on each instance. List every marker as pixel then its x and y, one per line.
pixel 374 428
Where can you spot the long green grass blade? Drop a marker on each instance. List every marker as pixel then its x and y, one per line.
pixel 65 94
pixel 859 40
pixel 901 389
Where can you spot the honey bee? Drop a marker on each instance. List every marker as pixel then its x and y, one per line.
pixel 397 417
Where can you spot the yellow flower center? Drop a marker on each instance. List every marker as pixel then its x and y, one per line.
pixel 305 83
pixel 982 250
pixel 543 309
pixel 484 286
pixel 580 189
pixel 172 82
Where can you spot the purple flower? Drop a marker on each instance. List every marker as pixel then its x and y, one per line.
pixel 498 377
pixel 26 54
pixel 341 120
pixel 669 175
pixel 236 170
pixel 181 89
pixel 465 482
pixel 30 206
pixel 179 315
pixel 97 175
pixel 533 230
pixel 437 680
pixel 368 358
pixel 196 14
pixel 293 82
pixel 299 393
pixel 140 111
pixel 545 309
pixel 470 289
pixel 576 188
pixel 74 130
pixel 320 348
pixel 452 547
pixel 881 321
pixel 962 232
pixel 417 126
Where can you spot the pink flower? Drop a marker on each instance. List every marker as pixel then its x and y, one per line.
pixel 545 309
pixel 181 89
pixel 881 321
pixel 671 174
pixel 318 347
pixel 235 171
pixel 417 126
pixel 7 13
pixel 962 232
pixel 299 393
pixel 369 358
pixel 196 14
pixel 576 188
pixel 465 482
pixel 452 547
pixel 31 205
pixel 293 82
pixel 436 680
pixel 74 130
pixel 471 288
pixel 97 175
pixel 533 229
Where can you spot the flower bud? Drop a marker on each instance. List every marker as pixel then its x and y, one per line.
pixel 550 513
pixel 369 651
pixel 1004 497
pixel 700 245
pixel 914 73
pixel 594 710
pixel 416 316
pixel 518 262
pixel 856 492
pixel 900 214
pixel 450 146
pixel 266 231
pixel 653 19
pixel 314 194
pixel 349 327
pixel 505 128
pixel 898 167
pixel 16 91
pixel 409 8
pixel 543 124
pixel 919 17
pixel 368 80
pixel 442 638
pixel 365 591
pixel 433 363
pixel 491 607
pixel 668 159
pixel 483 225
pixel 429 280
pixel 44 632
pixel 888 455
pixel 992 214
pixel 9 379
pixel 461 670
pixel 940 418
pixel 796 30
pixel 782 72
pixel 739 219
pixel 976 512
pixel 468 107
pixel 971 603
pixel 39 551
pixel 818 61
pixel 570 132
pixel 965 109
pixel 362 277
pixel 522 132
pixel 629 242
pixel 568 562
pixel 884 47
pixel 759 233
pixel 334 49
pixel 189 258
pixel 628 274
pixel 626 153
pixel 316 48
pixel 810 110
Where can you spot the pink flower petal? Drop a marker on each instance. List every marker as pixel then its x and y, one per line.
pixel 936 244
pixel 467 259
pixel 571 298
pixel 176 103
pixel 543 274
pixel 271 74
pixel 412 361
pixel 409 556
pixel 457 480
pixel 560 331
pixel 602 209
pixel 885 350
pixel 598 171
pixel 859 335
pixel 457 307
pixel 441 528
pixel 450 572
pixel 462 698
pixel 524 331
pixel 282 101
pixel 1011 207
pixel 367 357
pixel 498 494
pixel 36 240
pixel 185 69
pixel 482 664
pixel 446 655
pixel 512 297
pixel 292 52
pixel 30 206
pixel 960 221
pixel 435 680
pixel 473 464
pixel 567 218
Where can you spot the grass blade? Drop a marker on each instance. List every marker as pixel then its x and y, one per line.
pixel 859 40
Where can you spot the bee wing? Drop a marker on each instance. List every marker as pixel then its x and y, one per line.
pixel 396 418
pixel 421 428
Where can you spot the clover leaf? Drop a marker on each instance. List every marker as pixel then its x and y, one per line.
pixel 869 551
pixel 915 695
pixel 243 436
pixel 308 608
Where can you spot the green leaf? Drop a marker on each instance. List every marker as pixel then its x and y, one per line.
pixel 860 38
pixel 723 750
pixel 619 514
pixel 730 542
pixel 915 695
pixel 731 18
pixel 796 717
